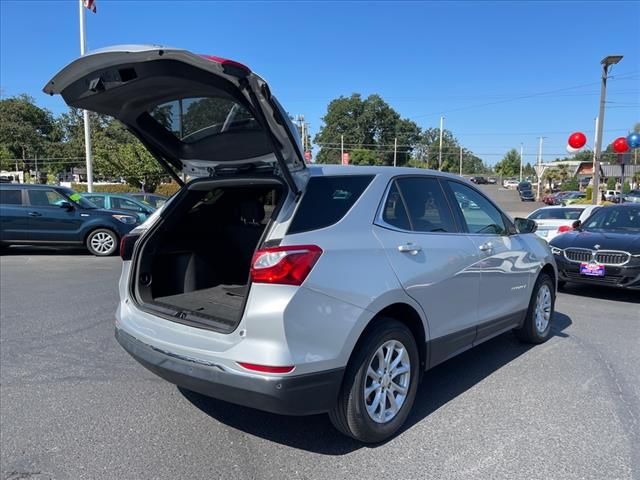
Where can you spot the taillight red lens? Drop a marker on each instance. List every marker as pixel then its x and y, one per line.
pixel 288 265
pixel 564 228
pixel 126 246
pixel 266 368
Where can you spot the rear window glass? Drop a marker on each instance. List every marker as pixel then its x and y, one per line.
pixel 192 119
pixel 10 197
pixel 557 214
pixel 327 200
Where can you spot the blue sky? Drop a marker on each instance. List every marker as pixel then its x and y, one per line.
pixel 468 61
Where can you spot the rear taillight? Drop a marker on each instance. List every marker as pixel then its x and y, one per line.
pixel 266 368
pixel 126 246
pixel 288 265
pixel 564 228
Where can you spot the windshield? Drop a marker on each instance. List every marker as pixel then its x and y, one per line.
pixel 78 199
pixel 556 214
pixel 623 220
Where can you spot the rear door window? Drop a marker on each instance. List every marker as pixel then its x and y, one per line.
pixel 10 197
pixel 46 198
pixel 124 204
pixel 480 215
pixel 426 205
pixel 97 200
pixel 327 200
pixel 395 211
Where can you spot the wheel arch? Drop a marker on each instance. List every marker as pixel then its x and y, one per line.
pixel 407 315
pixel 549 270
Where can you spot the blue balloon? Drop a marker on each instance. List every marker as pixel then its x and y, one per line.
pixel 633 140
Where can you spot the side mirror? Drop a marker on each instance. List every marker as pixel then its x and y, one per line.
pixel 66 205
pixel 524 225
pixel 576 224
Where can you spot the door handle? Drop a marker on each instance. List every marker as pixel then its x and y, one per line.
pixel 34 214
pixel 486 247
pixel 409 248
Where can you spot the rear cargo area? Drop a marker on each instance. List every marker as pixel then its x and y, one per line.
pixel 195 267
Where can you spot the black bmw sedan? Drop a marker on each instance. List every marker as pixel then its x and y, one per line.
pixel 603 250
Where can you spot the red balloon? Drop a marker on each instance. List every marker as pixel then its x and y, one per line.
pixel 577 140
pixel 620 145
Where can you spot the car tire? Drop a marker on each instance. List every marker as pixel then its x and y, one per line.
pixel 537 324
pixel 102 242
pixel 357 414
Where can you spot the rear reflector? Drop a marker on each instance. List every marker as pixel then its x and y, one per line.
pixel 564 228
pixel 265 368
pixel 287 265
pixel 126 246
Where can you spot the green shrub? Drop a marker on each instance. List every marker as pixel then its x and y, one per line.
pixel 589 193
pixel 626 188
pixel 570 185
pixel 584 201
pixel 111 188
pixel 167 189
pixel 611 183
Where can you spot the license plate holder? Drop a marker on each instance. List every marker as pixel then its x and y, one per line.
pixel 592 269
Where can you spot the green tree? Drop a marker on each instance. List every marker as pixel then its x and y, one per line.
pixel 509 166
pixel 26 131
pixel 119 154
pixel 360 156
pixel 563 173
pixel 369 124
pixel 528 170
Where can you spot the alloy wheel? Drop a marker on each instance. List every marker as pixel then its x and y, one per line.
pixel 102 243
pixel 387 381
pixel 543 308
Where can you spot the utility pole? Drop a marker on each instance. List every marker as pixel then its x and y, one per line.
pixel 395 150
pixel 440 151
pixel 541 139
pixel 341 149
pixel 460 161
pixel 606 63
pixel 521 160
pixel 87 127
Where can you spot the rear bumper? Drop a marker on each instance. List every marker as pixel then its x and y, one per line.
pixel 627 276
pixel 297 395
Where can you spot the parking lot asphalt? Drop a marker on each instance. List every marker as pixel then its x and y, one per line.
pixel 74 405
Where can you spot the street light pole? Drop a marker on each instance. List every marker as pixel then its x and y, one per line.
pixel 541 139
pixel 606 62
pixel 440 150
pixel 87 127
pixel 521 147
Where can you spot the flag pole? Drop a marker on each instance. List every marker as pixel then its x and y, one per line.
pixel 87 128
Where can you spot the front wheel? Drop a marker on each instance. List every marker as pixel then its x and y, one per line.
pixel 537 324
pixel 380 384
pixel 102 242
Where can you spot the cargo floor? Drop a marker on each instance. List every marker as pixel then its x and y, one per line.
pixel 222 302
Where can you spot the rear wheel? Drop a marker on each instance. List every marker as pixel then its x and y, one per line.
pixel 102 242
pixel 380 384
pixel 537 324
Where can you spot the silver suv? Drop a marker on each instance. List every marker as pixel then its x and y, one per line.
pixel 291 288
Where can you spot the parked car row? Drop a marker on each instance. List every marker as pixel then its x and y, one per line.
pixel 58 216
pixel 592 244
